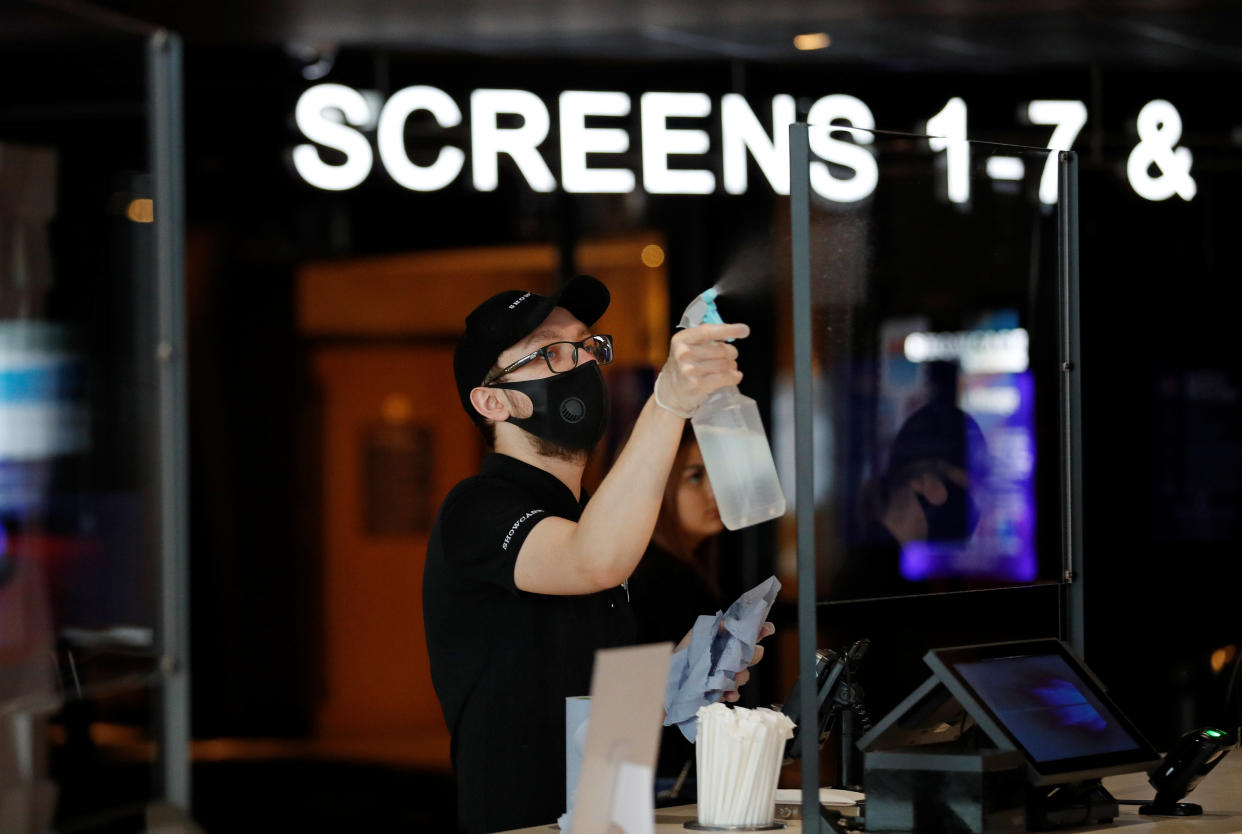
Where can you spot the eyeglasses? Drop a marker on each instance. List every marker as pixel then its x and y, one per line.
pixel 561 356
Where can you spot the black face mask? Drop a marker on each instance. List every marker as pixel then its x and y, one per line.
pixel 955 519
pixel 570 409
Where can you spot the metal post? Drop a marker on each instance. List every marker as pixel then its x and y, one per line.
pixel 800 227
pixel 846 777
pixel 1071 405
pixel 167 153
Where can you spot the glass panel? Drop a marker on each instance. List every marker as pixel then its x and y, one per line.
pixel 929 280
pixel 933 275
pixel 78 410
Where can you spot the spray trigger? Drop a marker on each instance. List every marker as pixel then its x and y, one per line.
pixel 702 310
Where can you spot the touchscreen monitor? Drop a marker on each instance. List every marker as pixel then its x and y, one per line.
pixel 1040 698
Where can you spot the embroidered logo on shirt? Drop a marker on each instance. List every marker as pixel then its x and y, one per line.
pixel 517 524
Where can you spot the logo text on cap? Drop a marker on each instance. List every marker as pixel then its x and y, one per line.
pixel 520 299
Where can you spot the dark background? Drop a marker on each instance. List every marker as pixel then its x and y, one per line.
pixel 1162 378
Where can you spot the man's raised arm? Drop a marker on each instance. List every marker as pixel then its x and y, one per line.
pixel 604 546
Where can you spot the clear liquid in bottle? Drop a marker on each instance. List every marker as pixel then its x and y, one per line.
pixel 738 459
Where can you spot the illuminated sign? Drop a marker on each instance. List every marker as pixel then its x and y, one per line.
pixel 517 123
pixel 334 116
pixel 976 351
pixel 947 133
pixel 1159 129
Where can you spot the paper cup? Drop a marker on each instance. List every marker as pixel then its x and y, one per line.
pixel 577 712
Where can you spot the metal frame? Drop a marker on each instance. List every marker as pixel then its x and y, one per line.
pixel 1072 598
pixel 1072 591
pixel 167 153
pixel 804 448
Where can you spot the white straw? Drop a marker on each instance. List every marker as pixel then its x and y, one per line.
pixel 739 752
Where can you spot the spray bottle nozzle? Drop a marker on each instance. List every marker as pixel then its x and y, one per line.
pixel 702 310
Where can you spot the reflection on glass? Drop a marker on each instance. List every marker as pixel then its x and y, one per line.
pixel 79 439
pixel 77 395
pixel 43 419
pixel 934 295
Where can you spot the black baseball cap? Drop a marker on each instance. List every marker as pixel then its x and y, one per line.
pixel 507 317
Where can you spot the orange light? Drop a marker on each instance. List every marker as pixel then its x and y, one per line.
pixel 397 408
pixel 811 40
pixel 652 255
pixel 141 210
pixel 1223 657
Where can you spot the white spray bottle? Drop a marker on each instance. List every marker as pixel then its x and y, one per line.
pixel 735 449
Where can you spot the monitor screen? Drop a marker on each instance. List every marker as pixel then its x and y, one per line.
pixel 1047 704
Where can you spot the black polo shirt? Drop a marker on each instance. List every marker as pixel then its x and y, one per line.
pixel 503 660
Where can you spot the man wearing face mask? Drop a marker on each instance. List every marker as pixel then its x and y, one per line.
pixel 524 579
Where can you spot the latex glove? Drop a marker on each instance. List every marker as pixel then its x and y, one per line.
pixel 700 361
pixel 743 676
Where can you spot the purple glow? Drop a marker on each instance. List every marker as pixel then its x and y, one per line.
pixel 918 561
pixel 1003 545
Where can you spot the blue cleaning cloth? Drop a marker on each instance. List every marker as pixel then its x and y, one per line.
pixel 721 645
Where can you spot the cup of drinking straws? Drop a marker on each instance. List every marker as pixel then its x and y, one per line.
pixel 738 752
